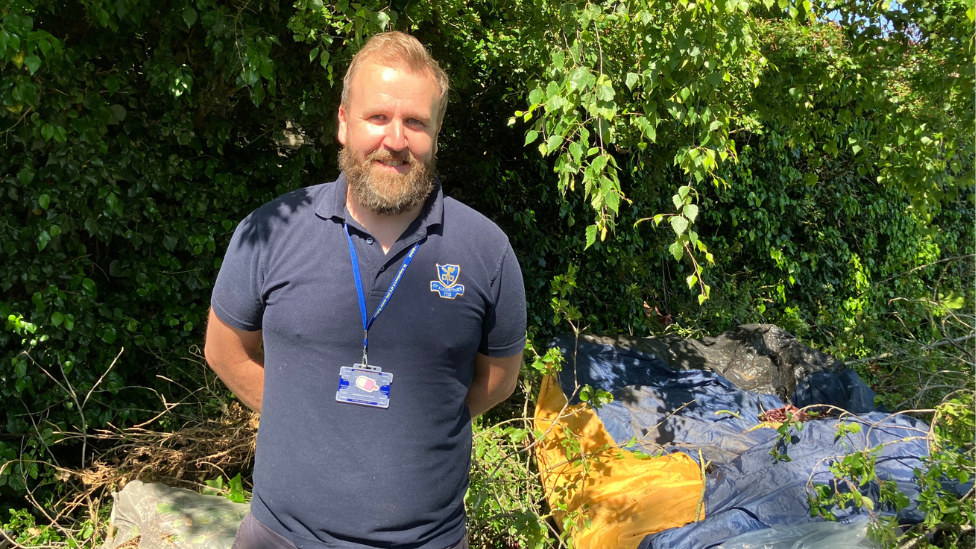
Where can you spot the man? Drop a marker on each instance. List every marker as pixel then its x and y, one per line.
pixel 369 320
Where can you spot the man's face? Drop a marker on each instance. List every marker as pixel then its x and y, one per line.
pixel 389 135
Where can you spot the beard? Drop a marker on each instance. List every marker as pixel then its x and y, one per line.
pixel 387 193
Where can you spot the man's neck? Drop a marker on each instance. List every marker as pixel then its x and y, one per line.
pixel 387 229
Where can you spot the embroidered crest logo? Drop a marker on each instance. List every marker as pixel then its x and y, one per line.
pixel 447 285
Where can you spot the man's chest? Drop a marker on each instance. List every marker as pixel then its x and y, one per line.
pixel 435 307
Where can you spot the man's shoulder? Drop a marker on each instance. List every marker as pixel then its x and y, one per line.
pixel 283 215
pixel 292 203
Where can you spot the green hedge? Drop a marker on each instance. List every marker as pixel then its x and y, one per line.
pixel 137 134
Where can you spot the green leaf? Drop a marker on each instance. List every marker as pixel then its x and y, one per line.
pixel 605 92
pixel 32 62
pixel 236 489
pixel 531 136
pixel 118 112
pixel 190 16
pixel 677 250
pixel 537 96
pixel 553 143
pixel 690 211
pixel 381 19
pixel 558 60
pixel 88 287
pixel 576 150
pixel 45 45
pixel 42 240
pixel 112 201
pixel 612 200
pixel 679 224
pixel 598 164
pixel 25 175
pixel 57 318
pixel 581 78
pixel 956 302
pixel 691 280
pixel 169 242
pixel 109 335
pixel 648 129
pixel 44 201
pixel 590 235
pixel 47 132
pixel 631 80
pixel 312 55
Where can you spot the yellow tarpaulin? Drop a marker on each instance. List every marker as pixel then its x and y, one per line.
pixel 622 497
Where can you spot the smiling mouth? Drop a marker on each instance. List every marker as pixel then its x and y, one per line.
pixel 392 163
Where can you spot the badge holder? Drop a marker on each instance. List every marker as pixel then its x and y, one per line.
pixel 364 385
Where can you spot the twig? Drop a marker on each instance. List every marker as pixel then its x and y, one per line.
pixel 37 432
pixel 701 497
pixel 599 120
pixel 929 347
pixel 941 527
pixel 920 267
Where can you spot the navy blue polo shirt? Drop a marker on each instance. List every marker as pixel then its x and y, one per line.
pixel 331 474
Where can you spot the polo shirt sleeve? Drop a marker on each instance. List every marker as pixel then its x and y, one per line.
pixel 237 296
pixel 504 328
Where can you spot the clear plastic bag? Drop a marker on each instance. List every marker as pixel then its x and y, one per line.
pixel 814 535
pixel 156 516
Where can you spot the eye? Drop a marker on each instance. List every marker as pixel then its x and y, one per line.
pixel 416 122
pixel 377 118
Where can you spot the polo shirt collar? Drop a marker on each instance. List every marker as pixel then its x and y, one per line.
pixel 331 204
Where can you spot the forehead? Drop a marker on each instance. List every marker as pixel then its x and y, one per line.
pixel 377 83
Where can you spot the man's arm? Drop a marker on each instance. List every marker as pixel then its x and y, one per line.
pixel 494 380
pixel 238 359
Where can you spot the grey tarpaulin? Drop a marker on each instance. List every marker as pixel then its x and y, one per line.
pixel 164 517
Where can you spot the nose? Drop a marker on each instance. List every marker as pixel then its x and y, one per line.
pixel 395 139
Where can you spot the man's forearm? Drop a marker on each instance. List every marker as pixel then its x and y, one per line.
pixel 245 379
pixel 481 398
pixel 494 380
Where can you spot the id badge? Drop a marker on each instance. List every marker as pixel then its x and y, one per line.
pixel 366 386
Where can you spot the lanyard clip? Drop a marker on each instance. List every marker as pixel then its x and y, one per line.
pixel 365 336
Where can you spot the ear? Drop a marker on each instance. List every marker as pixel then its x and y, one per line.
pixel 436 135
pixel 343 125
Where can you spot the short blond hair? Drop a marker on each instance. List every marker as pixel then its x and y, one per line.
pixel 398 49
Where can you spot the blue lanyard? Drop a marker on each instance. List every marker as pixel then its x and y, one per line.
pixel 359 288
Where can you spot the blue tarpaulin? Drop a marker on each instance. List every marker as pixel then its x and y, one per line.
pixel 671 410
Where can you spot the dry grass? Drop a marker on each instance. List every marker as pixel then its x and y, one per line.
pixel 200 450
pixel 186 457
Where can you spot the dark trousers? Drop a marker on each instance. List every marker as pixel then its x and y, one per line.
pixel 254 535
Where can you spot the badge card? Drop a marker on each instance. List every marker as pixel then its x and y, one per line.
pixel 366 387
